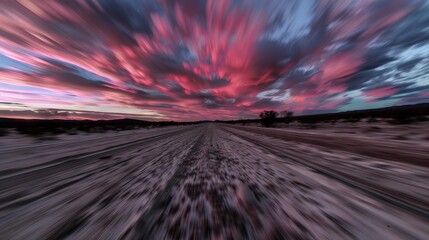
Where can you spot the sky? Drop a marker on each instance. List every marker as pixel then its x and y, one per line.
pixel 187 60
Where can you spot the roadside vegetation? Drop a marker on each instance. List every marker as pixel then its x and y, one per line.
pixel 3 132
pixel 48 129
pixel 398 115
pixel 270 118
pixel 407 114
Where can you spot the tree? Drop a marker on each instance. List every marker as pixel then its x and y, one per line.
pixel 286 116
pixel 268 118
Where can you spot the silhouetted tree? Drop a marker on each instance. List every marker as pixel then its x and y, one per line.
pixel 268 118
pixel 286 116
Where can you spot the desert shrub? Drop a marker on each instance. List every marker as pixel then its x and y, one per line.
pixel 31 131
pixel 56 131
pixel 268 118
pixel 372 119
pixel 421 118
pixel 309 123
pixel 401 119
pixel 37 131
pixel 3 132
pixel 352 120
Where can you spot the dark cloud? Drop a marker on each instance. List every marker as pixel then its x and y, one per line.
pixel 359 80
pixel 408 65
pixel 131 16
pixel 266 103
pixel 12 103
pixel 411 31
pixel 376 58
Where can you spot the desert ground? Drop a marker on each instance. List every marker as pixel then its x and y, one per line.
pixel 218 181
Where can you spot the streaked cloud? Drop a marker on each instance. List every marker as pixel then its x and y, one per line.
pixel 195 59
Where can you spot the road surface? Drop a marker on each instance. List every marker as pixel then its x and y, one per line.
pixel 209 181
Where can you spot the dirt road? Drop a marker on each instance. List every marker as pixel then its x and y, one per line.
pixel 208 181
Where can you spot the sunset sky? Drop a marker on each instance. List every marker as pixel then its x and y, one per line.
pixel 217 59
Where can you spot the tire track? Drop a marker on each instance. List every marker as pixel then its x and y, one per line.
pixel 85 156
pixel 414 206
pixel 90 179
pixel 152 221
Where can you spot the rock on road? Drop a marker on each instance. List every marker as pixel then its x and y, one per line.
pixel 208 181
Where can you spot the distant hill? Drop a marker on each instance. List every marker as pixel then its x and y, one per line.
pixel 396 112
pixel 404 111
pixel 400 113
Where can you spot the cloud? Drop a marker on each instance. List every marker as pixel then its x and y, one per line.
pixel 408 65
pixel 199 59
pixel 67 114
